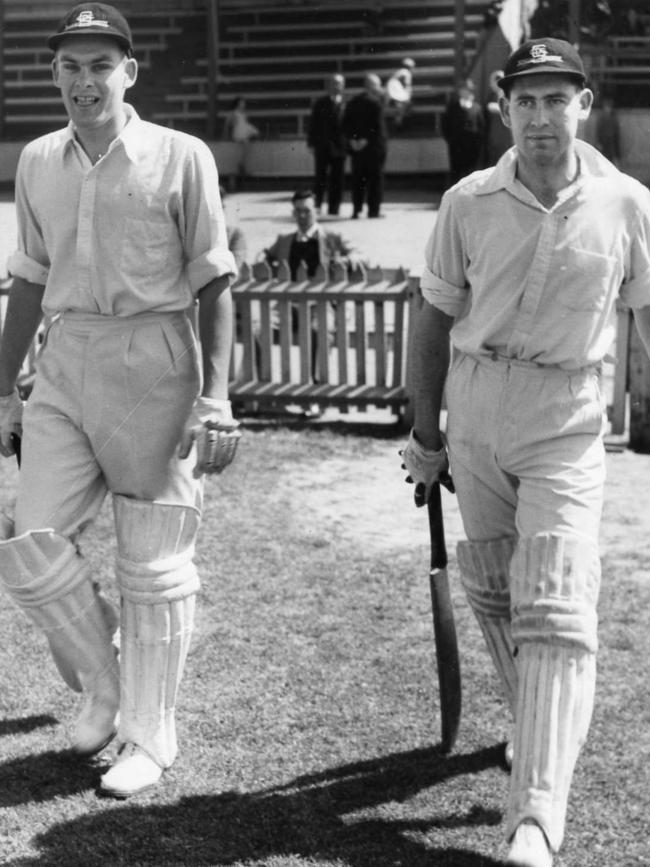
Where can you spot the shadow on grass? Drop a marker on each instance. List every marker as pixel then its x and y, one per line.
pixel 268 420
pixel 44 776
pixel 316 817
pixel 26 724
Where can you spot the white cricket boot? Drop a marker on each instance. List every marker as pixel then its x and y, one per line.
pixel 529 847
pixel 133 772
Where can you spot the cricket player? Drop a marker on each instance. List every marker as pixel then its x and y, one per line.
pixel 523 270
pixel 120 232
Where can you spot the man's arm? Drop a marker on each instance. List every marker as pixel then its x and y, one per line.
pixel 24 315
pixel 430 363
pixel 215 324
pixel 211 425
pixel 339 247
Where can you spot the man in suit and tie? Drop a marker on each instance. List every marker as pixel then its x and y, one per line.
pixel 325 138
pixel 310 243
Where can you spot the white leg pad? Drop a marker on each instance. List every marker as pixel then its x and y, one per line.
pixel 485 575
pixel 555 584
pixel 158 585
pixel 45 575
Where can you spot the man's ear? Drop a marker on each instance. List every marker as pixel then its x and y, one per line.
pixel 586 102
pixel 130 72
pixel 55 73
pixel 504 109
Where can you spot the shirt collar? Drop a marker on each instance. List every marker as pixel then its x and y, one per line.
pixel 503 176
pixel 131 136
pixel 312 232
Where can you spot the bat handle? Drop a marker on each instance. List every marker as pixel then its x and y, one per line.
pixel 437 529
pixel 16 442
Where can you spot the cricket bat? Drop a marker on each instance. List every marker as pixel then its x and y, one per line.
pixel 444 627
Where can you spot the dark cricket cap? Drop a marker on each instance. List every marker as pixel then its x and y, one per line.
pixel 93 19
pixel 543 56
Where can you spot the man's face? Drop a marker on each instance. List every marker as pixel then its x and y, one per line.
pixel 304 212
pixel 543 112
pixel 336 85
pixel 92 74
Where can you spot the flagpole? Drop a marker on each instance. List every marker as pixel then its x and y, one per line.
pixel 459 55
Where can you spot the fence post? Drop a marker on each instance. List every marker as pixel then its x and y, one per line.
pixel 414 303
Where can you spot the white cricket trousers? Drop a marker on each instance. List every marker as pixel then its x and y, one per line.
pixel 528 462
pixel 107 411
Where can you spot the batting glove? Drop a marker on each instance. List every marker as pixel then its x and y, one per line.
pixel 425 467
pixel 11 421
pixel 214 430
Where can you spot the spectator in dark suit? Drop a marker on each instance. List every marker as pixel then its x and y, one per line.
pixel 463 128
pixel 364 125
pixel 325 138
pixel 310 243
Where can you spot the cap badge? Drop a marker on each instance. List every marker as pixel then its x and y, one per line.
pixel 87 19
pixel 539 54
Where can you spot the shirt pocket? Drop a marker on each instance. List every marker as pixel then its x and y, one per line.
pixel 586 280
pixel 148 246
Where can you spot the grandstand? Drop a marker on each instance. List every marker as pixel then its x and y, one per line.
pixel 197 55
pixel 277 54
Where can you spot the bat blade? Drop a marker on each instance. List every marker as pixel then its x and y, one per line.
pixel 444 627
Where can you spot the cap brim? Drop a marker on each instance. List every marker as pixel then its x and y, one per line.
pixel 542 70
pixel 56 39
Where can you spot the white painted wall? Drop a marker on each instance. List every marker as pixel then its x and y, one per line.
pixel 292 158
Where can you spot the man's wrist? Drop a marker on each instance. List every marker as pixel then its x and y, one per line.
pixel 429 440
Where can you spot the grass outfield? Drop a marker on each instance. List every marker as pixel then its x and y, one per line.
pixel 308 717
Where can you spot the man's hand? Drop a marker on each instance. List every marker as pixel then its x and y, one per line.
pixel 215 432
pixel 11 417
pixel 425 467
pixel 358 144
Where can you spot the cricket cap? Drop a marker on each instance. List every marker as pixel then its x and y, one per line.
pixel 543 57
pixel 93 19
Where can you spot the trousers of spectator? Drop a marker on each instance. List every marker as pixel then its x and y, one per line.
pixel 328 179
pixel 528 462
pixel 368 180
pixel 110 400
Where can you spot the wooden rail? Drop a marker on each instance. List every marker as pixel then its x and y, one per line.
pixel 350 335
pixel 333 340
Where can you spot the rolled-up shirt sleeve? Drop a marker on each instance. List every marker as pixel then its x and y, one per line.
pixel 443 282
pixel 30 261
pixel 205 238
pixel 20 265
